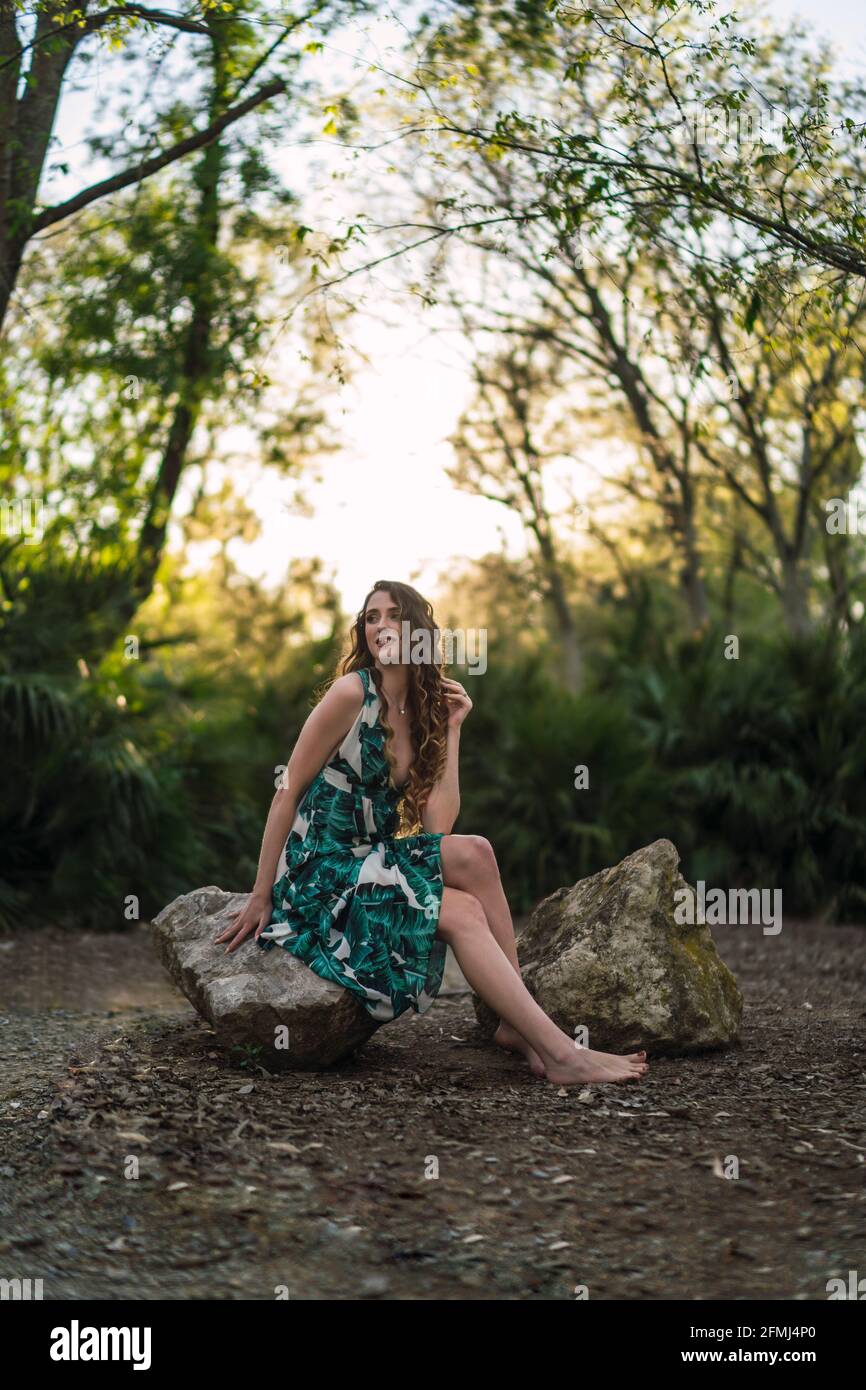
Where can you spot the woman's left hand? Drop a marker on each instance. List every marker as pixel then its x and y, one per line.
pixel 459 703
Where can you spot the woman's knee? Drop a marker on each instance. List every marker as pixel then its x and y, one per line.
pixel 470 855
pixel 460 913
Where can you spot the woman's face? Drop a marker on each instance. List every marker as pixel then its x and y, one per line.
pixel 382 628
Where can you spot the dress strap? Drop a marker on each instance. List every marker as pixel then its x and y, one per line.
pixel 365 678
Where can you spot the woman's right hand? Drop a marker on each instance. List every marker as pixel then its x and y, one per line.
pixel 254 916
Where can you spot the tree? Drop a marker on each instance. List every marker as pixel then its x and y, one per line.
pixel 158 320
pixel 663 72
pixel 711 384
pixel 33 74
pixel 503 442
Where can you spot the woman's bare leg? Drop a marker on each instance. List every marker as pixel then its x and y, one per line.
pixel 469 863
pixel 463 924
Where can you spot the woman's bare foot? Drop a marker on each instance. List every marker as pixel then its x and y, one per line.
pixel 583 1066
pixel 512 1041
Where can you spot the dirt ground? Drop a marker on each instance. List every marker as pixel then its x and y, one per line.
pixel 139 1162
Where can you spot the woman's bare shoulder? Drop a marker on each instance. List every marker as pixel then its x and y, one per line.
pixel 345 693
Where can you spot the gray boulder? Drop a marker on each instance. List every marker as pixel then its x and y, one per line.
pixel 607 954
pixel 253 997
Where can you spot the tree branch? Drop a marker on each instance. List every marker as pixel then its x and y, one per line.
pixel 137 172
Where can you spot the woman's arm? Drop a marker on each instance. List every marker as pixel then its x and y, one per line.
pixel 443 804
pixel 323 730
pixel 280 819
pixel 324 727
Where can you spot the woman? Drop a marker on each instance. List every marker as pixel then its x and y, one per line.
pixel 374 910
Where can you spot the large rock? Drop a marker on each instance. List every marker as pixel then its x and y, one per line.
pixel 607 954
pixel 253 997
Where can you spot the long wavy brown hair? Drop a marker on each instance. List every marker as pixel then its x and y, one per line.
pixel 425 699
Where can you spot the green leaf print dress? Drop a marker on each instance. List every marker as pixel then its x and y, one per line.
pixel 358 905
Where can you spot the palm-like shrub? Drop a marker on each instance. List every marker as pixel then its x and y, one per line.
pixel 524 742
pixel 764 758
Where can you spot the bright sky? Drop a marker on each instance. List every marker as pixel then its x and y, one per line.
pixel 385 505
pixel 840 20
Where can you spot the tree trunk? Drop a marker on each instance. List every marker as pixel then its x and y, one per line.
pixel 795 597
pixel 571 660
pixel 196 376
pixel 839 602
pixel 26 123
pixel 571 664
pixel 691 575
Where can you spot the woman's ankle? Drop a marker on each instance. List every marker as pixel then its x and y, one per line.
pixel 559 1053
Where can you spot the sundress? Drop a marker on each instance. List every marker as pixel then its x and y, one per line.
pixel 359 905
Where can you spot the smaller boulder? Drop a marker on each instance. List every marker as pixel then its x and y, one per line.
pixel 265 999
pixel 608 955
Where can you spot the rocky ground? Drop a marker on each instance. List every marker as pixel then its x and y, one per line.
pixel 137 1161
